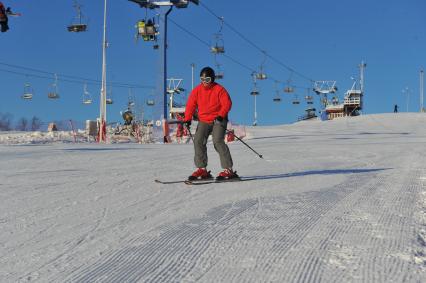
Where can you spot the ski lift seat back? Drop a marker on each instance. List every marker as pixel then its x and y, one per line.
pixel 276 99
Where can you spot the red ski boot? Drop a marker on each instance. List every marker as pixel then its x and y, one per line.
pixel 227 174
pixel 200 174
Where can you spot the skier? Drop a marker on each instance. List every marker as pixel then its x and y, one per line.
pixel 3 18
pixel 213 104
pixel 395 109
pixel 4 13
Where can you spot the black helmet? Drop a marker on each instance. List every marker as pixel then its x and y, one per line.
pixel 208 72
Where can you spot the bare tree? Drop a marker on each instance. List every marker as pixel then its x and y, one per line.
pixel 22 124
pixel 35 123
pixel 6 121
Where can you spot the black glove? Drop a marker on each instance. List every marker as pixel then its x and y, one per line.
pixel 187 123
pixel 218 119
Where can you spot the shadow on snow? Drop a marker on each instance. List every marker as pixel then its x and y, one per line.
pixel 315 172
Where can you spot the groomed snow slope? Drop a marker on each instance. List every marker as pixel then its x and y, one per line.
pixel 335 201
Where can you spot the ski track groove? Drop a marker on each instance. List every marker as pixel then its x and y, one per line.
pixel 167 266
pixel 142 260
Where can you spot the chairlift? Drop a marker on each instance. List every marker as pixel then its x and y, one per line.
pixel 255 91
pixel 53 93
pixel 219 46
pixel 87 98
pixel 261 75
pixel 109 99
pixel 147 29
pixel 28 92
pixel 277 97
pixel 289 87
pixel 131 99
pixel 295 100
pixel 150 102
pixel 77 24
pixel 309 99
pixel 219 73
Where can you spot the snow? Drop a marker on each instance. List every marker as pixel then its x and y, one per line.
pixel 335 201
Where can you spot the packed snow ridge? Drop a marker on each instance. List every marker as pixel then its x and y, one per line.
pixel 333 201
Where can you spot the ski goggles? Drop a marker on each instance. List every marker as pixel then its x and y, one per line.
pixel 206 79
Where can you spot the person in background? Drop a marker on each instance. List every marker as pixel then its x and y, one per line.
pixel 3 18
pixel 395 108
pixel 213 104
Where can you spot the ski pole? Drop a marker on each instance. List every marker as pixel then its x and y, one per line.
pixel 189 131
pixel 260 155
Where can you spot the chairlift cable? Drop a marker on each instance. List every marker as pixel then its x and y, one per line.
pixel 256 46
pixel 76 78
pixel 250 69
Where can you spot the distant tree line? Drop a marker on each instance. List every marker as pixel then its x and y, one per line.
pixel 23 124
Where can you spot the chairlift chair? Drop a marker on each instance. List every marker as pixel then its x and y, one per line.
pixel 219 47
pixel 28 92
pixel 53 93
pixel 87 98
pixel 276 99
pixel 254 92
pixel 147 30
pixel 77 25
pixel 295 100
pixel 219 74
pixel 109 99
pixel 309 99
pixel 261 76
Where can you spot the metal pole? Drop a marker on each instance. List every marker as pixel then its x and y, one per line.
pixel 192 74
pixel 103 88
pixel 421 90
pixel 407 92
pixel 165 63
pixel 255 112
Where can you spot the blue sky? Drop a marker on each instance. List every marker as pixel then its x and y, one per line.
pixel 322 40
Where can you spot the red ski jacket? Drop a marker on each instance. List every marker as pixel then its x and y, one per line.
pixel 212 101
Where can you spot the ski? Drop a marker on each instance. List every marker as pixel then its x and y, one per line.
pixel 206 182
pixel 181 181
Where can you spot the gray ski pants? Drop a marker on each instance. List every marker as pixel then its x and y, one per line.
pixel 217 130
